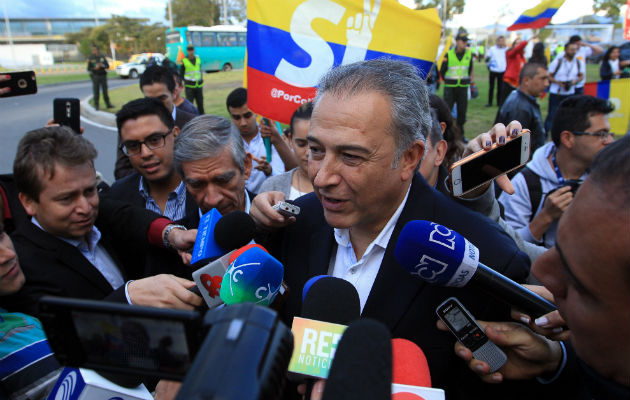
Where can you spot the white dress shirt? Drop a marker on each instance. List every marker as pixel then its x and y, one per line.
pixel 362 273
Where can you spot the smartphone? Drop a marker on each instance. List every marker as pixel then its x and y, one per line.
pixel 465 328
pixel 21 83
pixel 121 339
pixel 483 166
pixel 67 112
pixel 286 209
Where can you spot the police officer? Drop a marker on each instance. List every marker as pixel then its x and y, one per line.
pixel 193 79
pixel 457 70
pixel 97 67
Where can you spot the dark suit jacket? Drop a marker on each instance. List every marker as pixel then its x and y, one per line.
pixel 157 260
pixel 406 305
pixel 124 168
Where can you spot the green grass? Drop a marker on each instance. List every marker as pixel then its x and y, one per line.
pixel 216 89
pixel 479 118
pixel 63 78
pixel 219 84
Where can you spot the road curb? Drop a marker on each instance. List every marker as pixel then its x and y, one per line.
pixel 101 117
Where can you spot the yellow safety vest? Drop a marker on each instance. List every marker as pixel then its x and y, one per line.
pixel 192 73
pixel 457 72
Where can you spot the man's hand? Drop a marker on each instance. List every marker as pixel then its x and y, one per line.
pixel 263 214
pixel 316 393
pixel 528 354
pixel 51 122
pixel 263 165
pixel 166 390
pixel 7 89
pixel 557 202
pixel 270 131
pixel 551 325
pixel 164 291
pixel 181 239
pixel 498 134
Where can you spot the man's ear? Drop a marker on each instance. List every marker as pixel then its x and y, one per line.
pixel 28 203
pixel 440 149
pixel 567 139
pixel 176 131
pixel 410 159
pixel 247 167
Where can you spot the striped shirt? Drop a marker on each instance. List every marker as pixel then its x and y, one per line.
pixel 28 369
pixel 175 204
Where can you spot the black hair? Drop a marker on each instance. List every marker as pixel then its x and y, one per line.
pixel 158 74
pixel 574 112
pixel 452 134
pixel 575 39
pixel 141 107
pixel 302 112
pixel 529 70
pixel 611 167
pixel 608 53
pixel 172 68
pixel 237 98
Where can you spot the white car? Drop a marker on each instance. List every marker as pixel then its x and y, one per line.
pixel 136 68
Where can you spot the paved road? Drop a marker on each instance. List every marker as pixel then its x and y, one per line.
pixel 24 113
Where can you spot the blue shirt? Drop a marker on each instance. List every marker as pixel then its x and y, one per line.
pixel 175 204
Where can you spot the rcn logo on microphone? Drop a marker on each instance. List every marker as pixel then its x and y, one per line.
pixel 65 388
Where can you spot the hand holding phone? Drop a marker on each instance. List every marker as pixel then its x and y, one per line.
pixel 18 83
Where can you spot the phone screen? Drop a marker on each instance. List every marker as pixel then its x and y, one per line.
pixel 491 164
pixel 133 343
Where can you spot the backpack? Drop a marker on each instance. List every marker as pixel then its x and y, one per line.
pixel 535 190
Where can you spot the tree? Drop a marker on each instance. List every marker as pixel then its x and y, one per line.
pixel 612 7
pixel 452 6
pixel 195 12
pixel 237 11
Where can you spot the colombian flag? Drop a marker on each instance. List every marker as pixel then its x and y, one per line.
pixel 617 91
pixel 537 17
pixel 292 43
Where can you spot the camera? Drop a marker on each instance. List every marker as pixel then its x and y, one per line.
pixel 567 85
pixel 574 183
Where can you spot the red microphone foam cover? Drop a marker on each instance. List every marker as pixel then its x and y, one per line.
pixel 243 249
pixel 409 365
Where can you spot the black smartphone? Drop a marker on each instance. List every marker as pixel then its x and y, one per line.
pixel 67 112
pixel 465 328
pixel 20 83
pixel 121 339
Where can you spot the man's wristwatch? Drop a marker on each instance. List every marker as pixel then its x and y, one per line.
pixel 168 230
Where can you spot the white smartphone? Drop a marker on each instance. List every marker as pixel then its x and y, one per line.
pixel 483 166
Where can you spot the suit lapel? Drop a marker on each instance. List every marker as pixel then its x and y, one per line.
pixel 69 256
pixel 321 247
pixel 393 288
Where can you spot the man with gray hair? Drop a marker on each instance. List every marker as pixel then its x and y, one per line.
pixel 366 143
pixel 212 162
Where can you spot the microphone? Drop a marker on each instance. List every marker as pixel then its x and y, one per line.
pixel 411 378
pixel 218 235
pixel 362 368
pixel 80 383
pixel 244 356
pixel 329 306
pixel 253 277
pixel 443 257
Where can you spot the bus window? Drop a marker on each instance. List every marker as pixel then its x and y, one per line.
pixel 194 38
pixel 208 39
pixel 242 39
pixel 172 37
pixel 227 39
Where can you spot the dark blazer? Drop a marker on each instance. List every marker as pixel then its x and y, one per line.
pixel 182 118
pixel 157 260
pixel 406 305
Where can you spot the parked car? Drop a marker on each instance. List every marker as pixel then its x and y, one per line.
pixel 138 63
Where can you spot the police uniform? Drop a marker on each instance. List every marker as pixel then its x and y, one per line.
pixel 99 78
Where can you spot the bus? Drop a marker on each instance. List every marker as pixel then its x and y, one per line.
pixel 220 47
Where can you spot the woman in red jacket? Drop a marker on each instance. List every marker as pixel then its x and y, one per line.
pixel 515 59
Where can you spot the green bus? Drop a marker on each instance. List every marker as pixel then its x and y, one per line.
pixel 220 47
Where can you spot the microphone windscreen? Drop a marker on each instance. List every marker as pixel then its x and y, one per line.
pixel 332 300
pixel 309 283
pixel 234 230
pixel 409 365
pixel 436 254
pixel 362 367
pixel 254 277
pixel 243 249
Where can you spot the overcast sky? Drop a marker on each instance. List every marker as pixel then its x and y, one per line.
pixel 476 13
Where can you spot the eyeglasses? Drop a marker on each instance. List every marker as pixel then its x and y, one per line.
pixel 155 141
pixel 603 136
pixel 237 117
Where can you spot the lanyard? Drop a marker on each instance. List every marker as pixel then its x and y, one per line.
pixel 555 166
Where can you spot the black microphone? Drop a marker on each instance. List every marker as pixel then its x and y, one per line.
pixel 330 299
pixel 443 257
pixel 244 356
pixel 362 368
